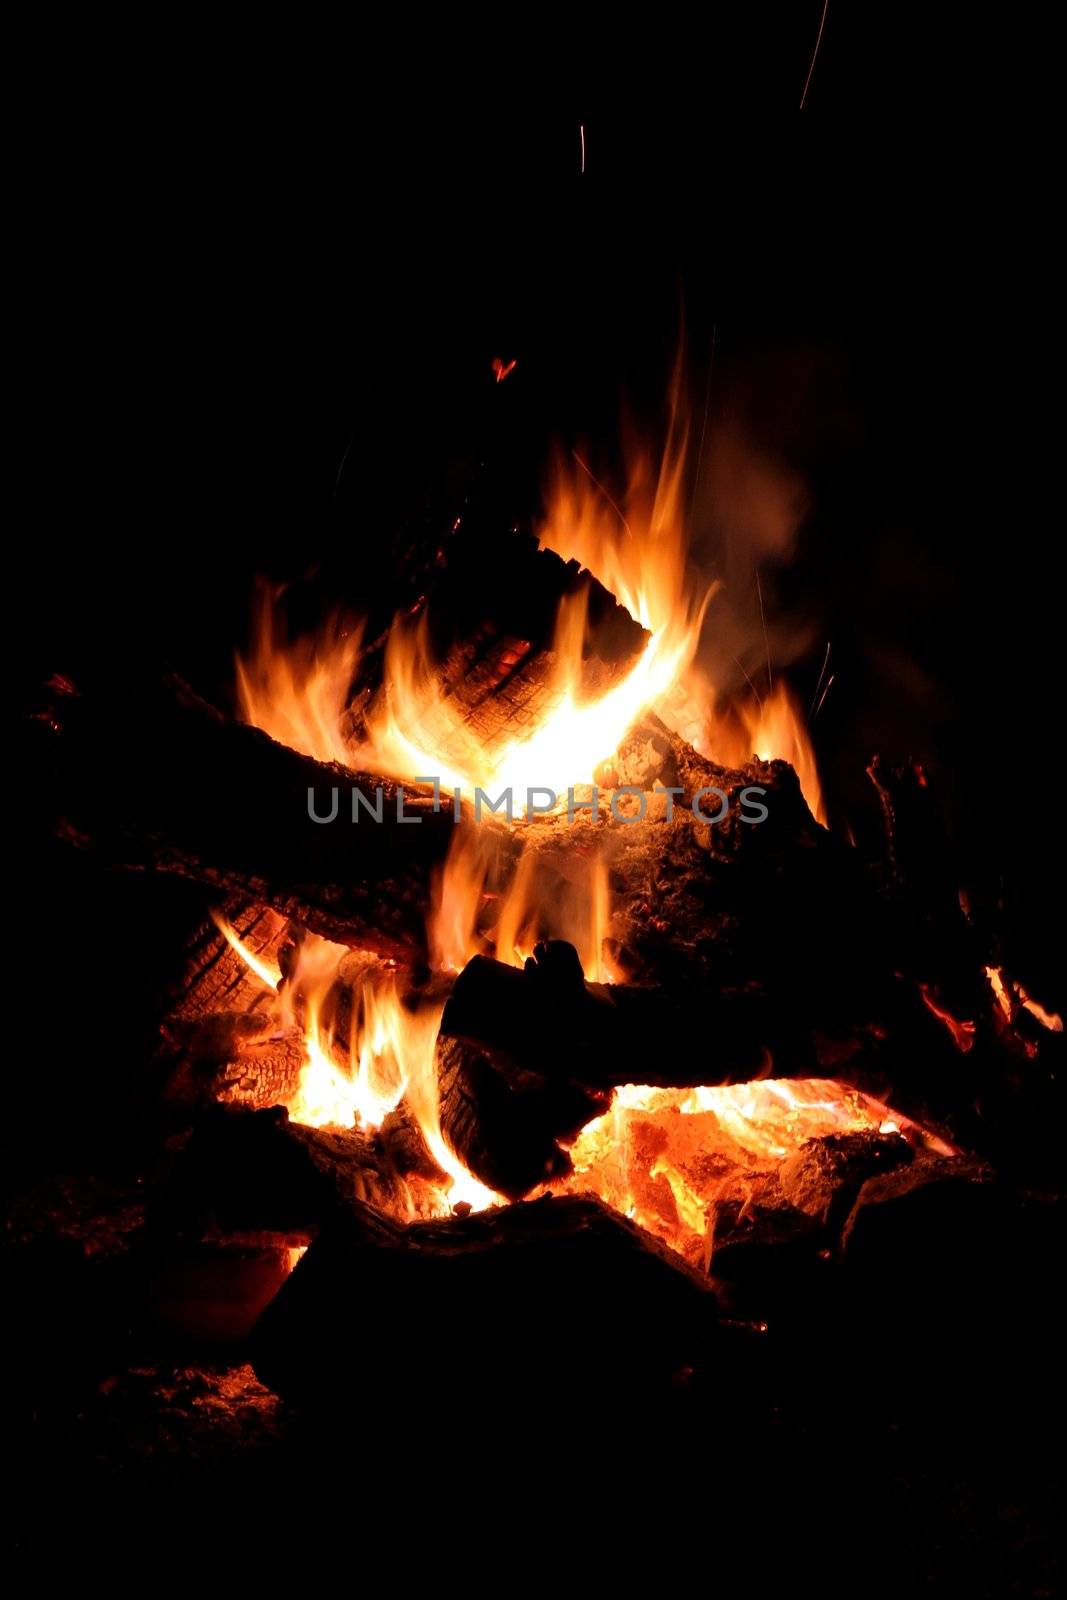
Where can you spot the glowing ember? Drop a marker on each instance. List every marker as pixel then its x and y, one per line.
pixel 962 1032
pixel 1048 1019
pixel 1005 988
pixel 667 1157
pixel 996 981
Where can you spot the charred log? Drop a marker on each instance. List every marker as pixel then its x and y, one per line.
pixel 936 943
pixel 562 1291
pixel 196 794
pixel 547 1019
pixel 911 1219
pixel 255 1171
pixel 507 1127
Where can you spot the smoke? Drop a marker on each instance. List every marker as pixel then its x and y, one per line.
pixel 748 508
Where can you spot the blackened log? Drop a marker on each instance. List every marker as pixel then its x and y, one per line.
pixel 922 1218
pixel 936 942
pixel 167 784
pixel 507 1128
pixel 256 1171
pixel 545 1018
pixel 552 1299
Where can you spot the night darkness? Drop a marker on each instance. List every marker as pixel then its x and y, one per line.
pixel 262 299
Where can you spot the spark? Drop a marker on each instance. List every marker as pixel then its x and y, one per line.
pixel 612 503
pixel 748 680
pixel 766 641
pixel 826 691
pixel 344 463
pixel 815 52
pixel 822 674
pixel 581 139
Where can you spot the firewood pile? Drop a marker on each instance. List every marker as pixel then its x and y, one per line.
pixel 739 954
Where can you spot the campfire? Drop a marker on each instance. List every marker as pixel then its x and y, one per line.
pixel 528 951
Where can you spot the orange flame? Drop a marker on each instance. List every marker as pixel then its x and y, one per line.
pixel 962 1032
pixel 772 728
pixel 578 911
pixel 300 693
pixel 637 546
pixel 388 1056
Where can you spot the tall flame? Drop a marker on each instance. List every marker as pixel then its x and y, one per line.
pixel 636 543
pixel 298 691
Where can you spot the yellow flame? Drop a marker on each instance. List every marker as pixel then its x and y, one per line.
pixel 266 971
pixel 390 1055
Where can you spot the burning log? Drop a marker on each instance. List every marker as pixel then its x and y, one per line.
pixel 256 1171
pixel 207 798
pixel 747 936
pixel 491 608
pixel 198 795
pixel 493 627
pixel 563 1291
